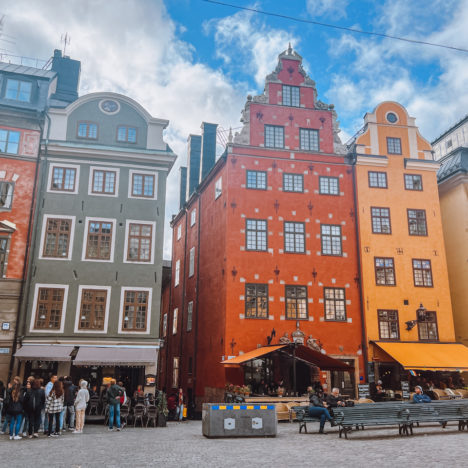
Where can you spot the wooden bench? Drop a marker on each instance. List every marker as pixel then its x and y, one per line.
pixel 441 412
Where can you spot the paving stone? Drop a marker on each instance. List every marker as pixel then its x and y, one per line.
pixel 182 445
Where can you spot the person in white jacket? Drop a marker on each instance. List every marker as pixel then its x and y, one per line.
pixel 81 401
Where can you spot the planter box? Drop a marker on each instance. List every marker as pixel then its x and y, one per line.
pixel 243 420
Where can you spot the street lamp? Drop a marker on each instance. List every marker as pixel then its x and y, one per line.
pixel 420 317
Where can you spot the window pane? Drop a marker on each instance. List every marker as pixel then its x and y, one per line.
pixel 137 184
pixel 121 134
pixel 131 135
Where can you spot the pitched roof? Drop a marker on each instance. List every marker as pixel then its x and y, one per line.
pixel 23 70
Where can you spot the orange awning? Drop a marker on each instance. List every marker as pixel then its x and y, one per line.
pixel 256 353
pixel 428 356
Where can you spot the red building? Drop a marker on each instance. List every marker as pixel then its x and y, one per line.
pixel 264 248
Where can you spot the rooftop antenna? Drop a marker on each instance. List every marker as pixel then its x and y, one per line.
pixel 65 40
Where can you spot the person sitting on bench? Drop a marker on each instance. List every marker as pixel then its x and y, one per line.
pixel 419 396
pixel 317 409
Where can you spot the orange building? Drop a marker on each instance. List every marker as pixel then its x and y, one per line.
pixel 264 249
pixel 405 288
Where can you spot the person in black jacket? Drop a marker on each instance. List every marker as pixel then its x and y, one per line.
pixel 70 392
pixel 317 409
pixel 14 408
pixel 34 402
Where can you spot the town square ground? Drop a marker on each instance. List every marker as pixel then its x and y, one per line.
pixel 182 445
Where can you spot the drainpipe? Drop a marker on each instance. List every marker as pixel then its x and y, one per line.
pixel 194 370
pixel 358 247
pixel 182 312
pixel 26 250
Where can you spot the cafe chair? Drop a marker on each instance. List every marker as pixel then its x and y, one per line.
pixel 138 413
pixel 124 412
pixel 151 415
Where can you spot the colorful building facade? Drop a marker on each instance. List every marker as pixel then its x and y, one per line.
pixel 264 248
pixel 402 252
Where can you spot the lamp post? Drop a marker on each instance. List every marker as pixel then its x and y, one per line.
pixel 420 317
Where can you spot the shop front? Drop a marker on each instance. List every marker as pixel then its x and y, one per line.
pixel 434 366
pixel 133 366
pixel 286 370
pixel 43 361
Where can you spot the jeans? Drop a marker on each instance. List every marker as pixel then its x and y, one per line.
pixel 34 417
pixel 15 423
pixel 24 423
pixel 62 416
pixel 71 416
pixel 6 423
pixel 114 408
pixel 57 422
pixel 181 412
pixel 316 411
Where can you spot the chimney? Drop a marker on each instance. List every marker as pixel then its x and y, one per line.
pixel 68 78
pixel 183 187
pixel 194 156
pixel 208 145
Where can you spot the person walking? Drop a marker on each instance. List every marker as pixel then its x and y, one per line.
pixel 54 406
pixel 114 392
pixel 34 402
pixel 81 401
pixel 14 408
pixel 180 404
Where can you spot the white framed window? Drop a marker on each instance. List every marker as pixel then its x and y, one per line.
pixel 189 316
pixel 193 217
pixel 58 233
pixel 218 187
pixel 135 310
pixel 103 181
pixel 6 195
pixel 143 184
pixel 179 231
pixel 139 241
pixel 175 372
pixel 164 330
pixel 9 141
pixel 174 321
pixel 49 308
pixel 192 262
pixel 63 178
pixel 177 273
pixel 99 240
pixel 92 309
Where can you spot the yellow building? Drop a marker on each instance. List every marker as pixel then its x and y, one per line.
pixel 403 261
pixel 453 193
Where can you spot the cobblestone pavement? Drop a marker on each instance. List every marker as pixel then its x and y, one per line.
pixel 182 445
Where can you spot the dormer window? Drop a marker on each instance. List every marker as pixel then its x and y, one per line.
pixel 291 96
pixel 87 130
pixel 18 90
pixel 126 134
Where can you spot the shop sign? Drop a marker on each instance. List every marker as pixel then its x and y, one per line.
pixel 150 380
pixel 405 390
pixel 4 350
pixel 363 391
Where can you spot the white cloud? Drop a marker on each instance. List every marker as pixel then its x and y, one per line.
pixel 242 41
pixel 132 48
pixel 335 9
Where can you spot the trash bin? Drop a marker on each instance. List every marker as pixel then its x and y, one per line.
pixel 225 420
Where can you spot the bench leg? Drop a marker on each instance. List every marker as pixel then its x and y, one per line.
pixel 303 425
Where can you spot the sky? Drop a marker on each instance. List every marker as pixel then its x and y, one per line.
pixel 191 61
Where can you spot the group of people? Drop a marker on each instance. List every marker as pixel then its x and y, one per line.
pixel 322 406
pixel 29 408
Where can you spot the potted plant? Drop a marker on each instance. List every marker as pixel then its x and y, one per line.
pixel 163 411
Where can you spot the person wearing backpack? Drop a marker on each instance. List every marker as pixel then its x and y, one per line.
pixel 34 402
pixel 14 408
pixel 114 392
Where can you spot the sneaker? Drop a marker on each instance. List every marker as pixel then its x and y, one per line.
pixel 11 437
pixel 110 429
pixel 119 429
pixel 25 434
pixel 1 433
pixel 17 437
pixel 75 432
pixel 54 435
pixel 71 429
pixel 35 435
pixel 30 436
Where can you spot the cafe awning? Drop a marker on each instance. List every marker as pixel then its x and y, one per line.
pixel 44 353
pixel 254 354
pixel 301 352
pixel 428 356
pixel 115 356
